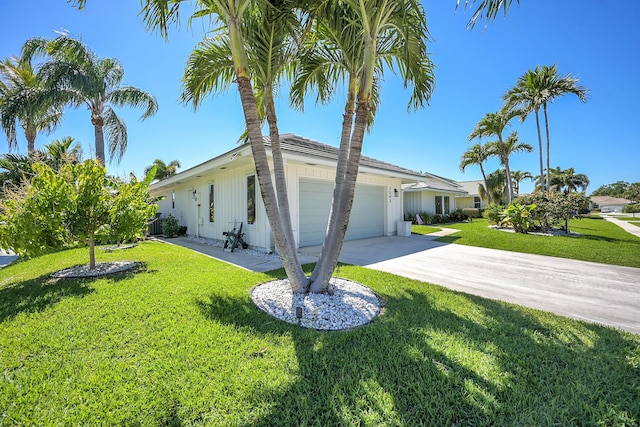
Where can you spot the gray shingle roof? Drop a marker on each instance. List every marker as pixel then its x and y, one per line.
pixel 297 144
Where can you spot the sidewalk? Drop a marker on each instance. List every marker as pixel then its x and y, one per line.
pixel 625 225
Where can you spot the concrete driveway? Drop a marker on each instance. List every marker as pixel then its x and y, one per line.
pixel 593 292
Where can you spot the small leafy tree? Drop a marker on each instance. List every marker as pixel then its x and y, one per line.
pixel 493 213
pixel 554 209
pixel 632 209
pixel 75 206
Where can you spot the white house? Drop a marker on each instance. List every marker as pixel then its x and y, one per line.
pixel 210 197
pixel 472 199
pixel 432 194
pixel 609 204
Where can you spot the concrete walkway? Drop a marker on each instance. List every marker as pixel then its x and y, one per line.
pixel 625 225
pixel 593 292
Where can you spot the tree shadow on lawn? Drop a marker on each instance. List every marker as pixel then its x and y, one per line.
pixel 427 363
pixel 35 295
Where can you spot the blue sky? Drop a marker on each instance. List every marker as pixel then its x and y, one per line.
pixel 594 40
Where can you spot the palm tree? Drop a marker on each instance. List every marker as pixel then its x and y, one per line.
pixel 494 124
pixel 535 89
pixel 163 170
pixel 568 180
pixel 93 82
pixel 511 146
pixel 60 152
pixel 517 177
pixel 358 40
pixel 374 18
pixel 477 155
pixel 26 98
pixel 495 187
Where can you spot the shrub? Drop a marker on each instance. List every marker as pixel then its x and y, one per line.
pixel 472 212
pixel 170 226
pixel 494 213
pixel 458 216
pixel 632 208
pixel 519 217
pixel 554 209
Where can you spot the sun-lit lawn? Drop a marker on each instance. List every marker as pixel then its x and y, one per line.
pixel 178 342
pixel 596 240
pixel 423 229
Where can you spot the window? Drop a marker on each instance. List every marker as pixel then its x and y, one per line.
pixel 446 205
pixel 438 205
pixel 251 199
pixel 173 200
pixel 211 204
pixel 477 203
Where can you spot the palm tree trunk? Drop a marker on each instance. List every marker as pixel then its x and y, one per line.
pixel 341 168
pixel 99 137
pixel 297 278
pixel 31 141
pixel 484 177
pixel 505 161
pixel 540 147
pixel 300 283
pixel 546 125
pixel 345 203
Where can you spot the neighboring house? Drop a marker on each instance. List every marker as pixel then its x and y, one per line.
pixel 209 198
pixel 608 204
pixel 432 194
pixel 472 199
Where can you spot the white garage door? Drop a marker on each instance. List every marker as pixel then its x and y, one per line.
pixel 367 214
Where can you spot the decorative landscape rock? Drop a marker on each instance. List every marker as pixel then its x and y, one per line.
pixel 102 269
pixel 348 306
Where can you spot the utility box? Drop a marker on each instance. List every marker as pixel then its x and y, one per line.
pixel 404 228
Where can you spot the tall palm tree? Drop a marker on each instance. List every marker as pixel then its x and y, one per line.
pixel 494 124
pixel 517 177
pixel 95 83
pixel 536 89
pixel 371 37
pixel 25 98
pixel 163 170
pixel 477 155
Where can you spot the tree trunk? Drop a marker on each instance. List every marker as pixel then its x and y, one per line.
pixel 484 177
pixel 299 282
pixel 92 251
pixel 329 242
pixel 505 161
pixel 31 141
pixel 546 125
pixel 325 270
pixel 99 137
pixel 540 147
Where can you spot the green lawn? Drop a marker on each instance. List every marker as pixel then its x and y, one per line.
pixel 599 241
pixel 178 342
pixel 423 229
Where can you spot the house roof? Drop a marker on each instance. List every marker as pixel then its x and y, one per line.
pixel 471 187
pixel 433 184
pixel 308 150
pixel 308 147
pixel 608 200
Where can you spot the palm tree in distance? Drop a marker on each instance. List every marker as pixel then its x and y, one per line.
pixel 495 187
pixel 477 155
pixel 568 180
pixel 511 146
pixel 536 89
pixel 95 83
pixel 163 170
pixel 494 124
pixel 26 99
pixel 517 177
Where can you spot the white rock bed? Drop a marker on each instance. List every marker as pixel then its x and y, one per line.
pixel 102 269
pixel 350 306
